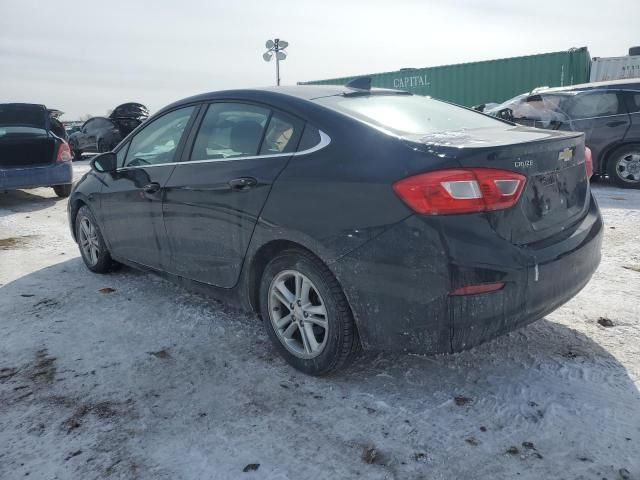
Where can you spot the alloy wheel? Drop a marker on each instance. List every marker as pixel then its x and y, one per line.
pixel 89 242
pixel 298 314
pixel 628 167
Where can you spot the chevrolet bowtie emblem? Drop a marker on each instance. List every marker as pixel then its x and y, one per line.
pixel 566 154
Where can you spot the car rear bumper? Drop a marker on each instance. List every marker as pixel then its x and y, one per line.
pixel 40 176
pixel 399 283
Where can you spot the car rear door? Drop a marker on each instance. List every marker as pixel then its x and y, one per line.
pixel 214 197
pixel 633 105
pixel 602 116
pixel 131 197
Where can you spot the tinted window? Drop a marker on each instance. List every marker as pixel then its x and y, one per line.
pixel 121 154
pixel 158 141
pixel 594 105
pixel 411 114
pixel 10 130
pixel 634 101
pixel 90 125
pixel 282 134
pixel 310 138
pixel 230 130
pixel 102 123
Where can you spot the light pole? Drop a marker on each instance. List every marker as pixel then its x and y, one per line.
pixel 276 46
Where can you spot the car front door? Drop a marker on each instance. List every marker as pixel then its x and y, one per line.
pixel 84 140
pixel 214 197
pixel 602 116
pixel 131 198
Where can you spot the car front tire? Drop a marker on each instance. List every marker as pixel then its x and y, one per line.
pixel 93 250
pixel 623 166
pixel 306 314
pixel 63 191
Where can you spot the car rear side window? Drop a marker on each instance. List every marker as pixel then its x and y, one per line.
pixel 158 141
pixel 310 138
pixel 408 114
pixel 230 130
pixel 597 104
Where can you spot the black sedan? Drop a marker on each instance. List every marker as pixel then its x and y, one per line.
pixel 348 218
pixel 102 134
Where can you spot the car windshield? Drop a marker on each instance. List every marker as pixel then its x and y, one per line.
pixel 543 108
pixel 408 114
pixel 32 116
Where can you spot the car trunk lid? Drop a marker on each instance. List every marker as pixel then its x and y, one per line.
pixel 556 193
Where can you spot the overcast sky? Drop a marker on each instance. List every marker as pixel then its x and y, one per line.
pixel 88 56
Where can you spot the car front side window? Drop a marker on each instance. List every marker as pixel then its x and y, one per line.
pixel 122 154
pixel 158 142
pixel 88 127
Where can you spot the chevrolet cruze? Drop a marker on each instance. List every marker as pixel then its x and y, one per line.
pixel 348 218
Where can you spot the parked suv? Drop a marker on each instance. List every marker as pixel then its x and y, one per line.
pixel 607 112
pixel 102 134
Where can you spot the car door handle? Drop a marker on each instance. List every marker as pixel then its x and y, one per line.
pixel 616 123
pixel 242 183
pixel 151 188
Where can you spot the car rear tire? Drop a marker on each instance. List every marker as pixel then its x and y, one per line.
pixel 306 314
pixel 93 250
pixel 623 166
pixel 63 191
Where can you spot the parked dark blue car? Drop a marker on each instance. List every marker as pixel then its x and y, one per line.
pixel 31 154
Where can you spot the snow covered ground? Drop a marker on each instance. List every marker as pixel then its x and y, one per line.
pixel 149 381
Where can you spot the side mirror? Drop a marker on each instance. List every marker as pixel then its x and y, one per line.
pixel 105 162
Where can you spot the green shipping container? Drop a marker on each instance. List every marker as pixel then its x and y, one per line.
pixel 487 81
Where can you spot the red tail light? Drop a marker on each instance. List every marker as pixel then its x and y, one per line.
pixel 469 190
pixel 64 153
pixel 588 161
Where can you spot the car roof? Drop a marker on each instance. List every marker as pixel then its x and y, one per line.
pixel 301 92
pixel 626 83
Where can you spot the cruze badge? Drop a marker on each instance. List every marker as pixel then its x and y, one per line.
pixel 523 163
pixel 566 155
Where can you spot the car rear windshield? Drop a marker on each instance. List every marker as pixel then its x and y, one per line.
pixel 409 114
pixel 34 116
